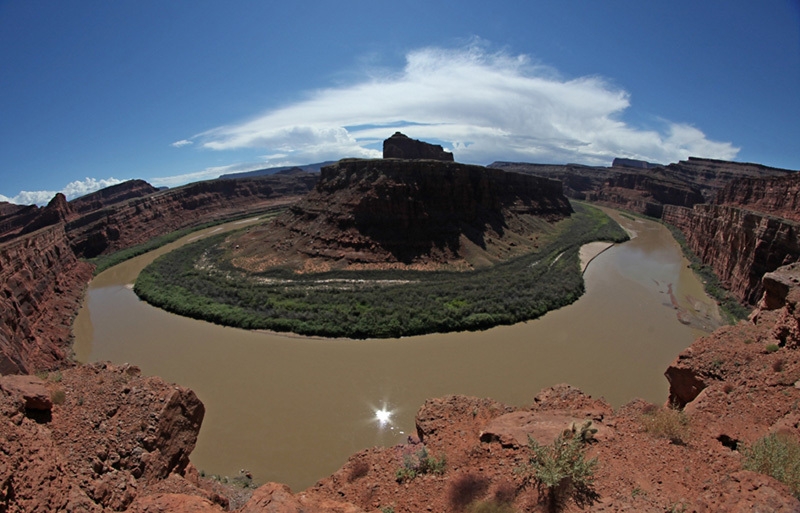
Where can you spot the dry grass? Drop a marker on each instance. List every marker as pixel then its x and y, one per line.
pixel 667 423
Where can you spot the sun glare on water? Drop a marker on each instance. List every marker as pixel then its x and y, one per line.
pixel 383 416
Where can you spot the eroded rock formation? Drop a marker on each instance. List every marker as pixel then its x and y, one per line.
pixel 388 211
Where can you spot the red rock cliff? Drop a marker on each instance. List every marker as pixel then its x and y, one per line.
pixel 41 286
pixel 141 219
pixel 739 245
pixel 778 196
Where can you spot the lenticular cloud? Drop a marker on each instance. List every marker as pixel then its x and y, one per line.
pixel 485 106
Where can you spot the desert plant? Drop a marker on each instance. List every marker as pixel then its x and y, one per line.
pixel 771 348
pixel 777 365
pixel 777 456
pixel 667 423
pixel 465 489
pixel 562 471
pixel 421 462
pixel 58 396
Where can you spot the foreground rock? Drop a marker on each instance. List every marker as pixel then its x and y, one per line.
pixel 107 437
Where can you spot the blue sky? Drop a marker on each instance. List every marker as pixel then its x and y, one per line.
pixel 94 92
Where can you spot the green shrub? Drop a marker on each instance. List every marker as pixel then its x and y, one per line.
pixel 667 423
pixel 376 304
pixel 771 348
pixel 421 462
pixel 561 470
pixel 777 456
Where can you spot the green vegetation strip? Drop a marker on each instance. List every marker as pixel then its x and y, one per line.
pixel 730 306
pixel 104 262
pixel 376 304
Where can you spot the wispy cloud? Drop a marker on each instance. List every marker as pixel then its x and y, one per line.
pixel 208 173
pixel 72 190
pixel 484 105
pixel 181 143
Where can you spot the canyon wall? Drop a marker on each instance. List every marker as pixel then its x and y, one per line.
pixel 41 288
pixel 740 245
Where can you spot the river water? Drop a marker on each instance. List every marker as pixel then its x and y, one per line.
pixel 293 409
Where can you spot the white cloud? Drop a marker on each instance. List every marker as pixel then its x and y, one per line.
pixel 72 190
pixel 485 106
pixel 181 143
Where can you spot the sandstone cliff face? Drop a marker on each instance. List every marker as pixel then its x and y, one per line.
pixel 41 286
pixel 779 196
pixel 739 245
pixel 712 175
pixel 644 194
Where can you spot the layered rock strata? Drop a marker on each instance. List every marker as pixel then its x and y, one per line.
pixel 740 245
pixel 41 288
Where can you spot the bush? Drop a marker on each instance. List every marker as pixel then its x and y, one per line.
pixel 667 423
pixel 379 304
pixel 771 348
pixel 421 462
pixel 777 456
pixel 561 470
pixel 58 396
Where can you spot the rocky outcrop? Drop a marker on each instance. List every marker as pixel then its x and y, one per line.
pixel 419 212
pixel 739 245
pixel 41 287
pixel 108 437
pixel 400 146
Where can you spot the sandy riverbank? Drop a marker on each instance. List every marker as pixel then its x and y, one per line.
pixel 590 251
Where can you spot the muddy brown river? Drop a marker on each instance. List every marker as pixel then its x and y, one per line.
pixel 293 409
